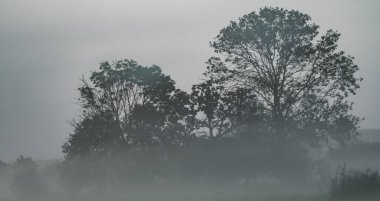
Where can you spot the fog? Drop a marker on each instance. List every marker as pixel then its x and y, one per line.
pixel 241 173
pixel 189 100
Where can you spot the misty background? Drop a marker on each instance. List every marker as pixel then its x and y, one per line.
pixel 46 46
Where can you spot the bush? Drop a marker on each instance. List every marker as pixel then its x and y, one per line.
pixel 354 184
pixel 26 180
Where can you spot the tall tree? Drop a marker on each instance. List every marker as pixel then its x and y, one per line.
pixel 302 81
pixel 96 135
pixel 127 105
pixel 221 111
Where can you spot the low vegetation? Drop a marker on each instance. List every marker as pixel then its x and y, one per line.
pixel 354 185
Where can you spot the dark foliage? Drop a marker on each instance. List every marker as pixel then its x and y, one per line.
pixel 355 185
pixel 301 81
pixel 128 107
pixel 274 87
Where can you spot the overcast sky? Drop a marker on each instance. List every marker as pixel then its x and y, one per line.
pixel 46 45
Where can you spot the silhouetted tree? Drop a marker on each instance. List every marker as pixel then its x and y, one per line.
pixel 301 81
pixel 128 106
pixel 275 84
pixel 222 112
pixel 97 135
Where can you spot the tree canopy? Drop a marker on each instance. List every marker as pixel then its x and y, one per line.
pixel 274 86
pixel 302 80
pixel 274 78
pixel 126 106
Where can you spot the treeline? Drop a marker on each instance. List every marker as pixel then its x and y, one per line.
pixel 273 89
pixel 136 126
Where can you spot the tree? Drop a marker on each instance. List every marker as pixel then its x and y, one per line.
pixel 3 168
pixel 162 128
pixel 26 180
pixel 2 164
pixel 221 111
pixel 125 106
pixel 301 81
pixel 97 135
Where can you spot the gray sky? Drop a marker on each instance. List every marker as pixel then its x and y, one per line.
pixel 46 45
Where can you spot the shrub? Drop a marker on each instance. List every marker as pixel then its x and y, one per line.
pixel 354 184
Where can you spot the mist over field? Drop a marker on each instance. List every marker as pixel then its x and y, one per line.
pixel 268 178
pixel 179 100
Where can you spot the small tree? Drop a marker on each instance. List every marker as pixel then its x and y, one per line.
pixel 3 170
pixel 26 180
pixel 2 165
pixel 301 81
